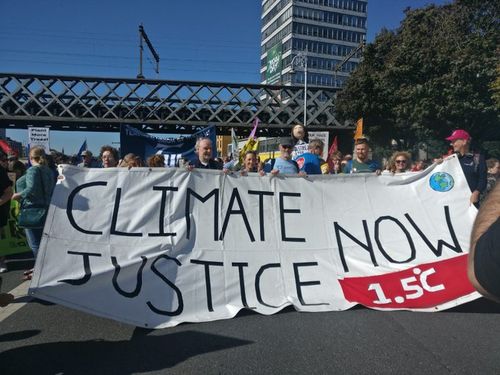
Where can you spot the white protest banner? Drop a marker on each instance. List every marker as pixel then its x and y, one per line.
pixel 39 137
pixel 157 247
pixel 325 137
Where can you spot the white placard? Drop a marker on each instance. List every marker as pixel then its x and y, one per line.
pixel 325 137
pixel 39 137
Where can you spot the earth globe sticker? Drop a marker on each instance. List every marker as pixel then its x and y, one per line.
pixel 441 181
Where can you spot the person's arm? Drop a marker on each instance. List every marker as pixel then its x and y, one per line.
pixel 267 167
pixel 7 195
pixel 6 184
pixel 191 164
pixel 375 167
pixel 482 172
pixel 474 197
pixel 229 165
pixel 487 215
pixel 348 166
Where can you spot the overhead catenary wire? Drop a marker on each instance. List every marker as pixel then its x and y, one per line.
pixel 68 38
pixel 99 36
pixel 122 57
pixel 129 67
pixel 62 55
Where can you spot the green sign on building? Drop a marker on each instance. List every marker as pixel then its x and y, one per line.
pixel 273 71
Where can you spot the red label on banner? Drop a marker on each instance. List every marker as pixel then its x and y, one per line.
pixel 422 286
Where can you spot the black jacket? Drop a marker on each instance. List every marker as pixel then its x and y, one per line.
pixel 212 164
pixel 475 170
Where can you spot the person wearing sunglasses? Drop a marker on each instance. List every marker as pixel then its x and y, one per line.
pixel 284 163
pixel 400 162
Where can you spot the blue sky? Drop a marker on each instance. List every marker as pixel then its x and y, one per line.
pixel 198 40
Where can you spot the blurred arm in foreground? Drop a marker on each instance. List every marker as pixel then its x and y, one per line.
pixel 484 256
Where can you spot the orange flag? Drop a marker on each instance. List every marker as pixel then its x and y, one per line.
pixel 359 129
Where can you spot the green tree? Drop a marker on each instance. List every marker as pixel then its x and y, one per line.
pixel 435 73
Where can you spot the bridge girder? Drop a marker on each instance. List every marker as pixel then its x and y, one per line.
pixel 159 106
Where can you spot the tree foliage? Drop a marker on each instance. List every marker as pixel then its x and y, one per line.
pixel 435 73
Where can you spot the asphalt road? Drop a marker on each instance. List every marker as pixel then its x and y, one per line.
pixel 43 338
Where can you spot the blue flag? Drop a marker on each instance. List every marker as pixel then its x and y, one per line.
pixel 83 147
pixel 144 145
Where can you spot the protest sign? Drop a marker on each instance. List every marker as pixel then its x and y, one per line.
pixel 144 145
pixel 158 247
pixel 39 137
pixel 325 137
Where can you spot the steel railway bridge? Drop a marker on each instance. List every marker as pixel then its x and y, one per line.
pixel 159 106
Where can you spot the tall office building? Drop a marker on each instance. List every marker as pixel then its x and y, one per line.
pixel 326 31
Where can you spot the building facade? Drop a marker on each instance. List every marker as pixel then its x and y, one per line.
pixel 326 31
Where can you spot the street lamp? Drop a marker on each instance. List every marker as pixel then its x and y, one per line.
pixel 300 59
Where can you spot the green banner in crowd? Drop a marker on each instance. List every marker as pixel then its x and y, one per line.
pixel 273 71
pixel 12 238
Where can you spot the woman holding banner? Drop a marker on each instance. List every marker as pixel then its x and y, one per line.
pixel 34 191
pixel 400 162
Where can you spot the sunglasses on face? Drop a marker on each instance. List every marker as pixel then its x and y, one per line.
pixel 401 161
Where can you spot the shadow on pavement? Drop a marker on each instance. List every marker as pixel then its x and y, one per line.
pixel 247 312
pixel 481 305
pixel 21 265
pixel 21 335
pixel 142 353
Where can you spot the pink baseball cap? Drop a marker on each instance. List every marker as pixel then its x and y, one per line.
pixel 458 134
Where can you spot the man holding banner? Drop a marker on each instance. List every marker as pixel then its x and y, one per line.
pixel 284 164
pixel 203 149
pixel 361 163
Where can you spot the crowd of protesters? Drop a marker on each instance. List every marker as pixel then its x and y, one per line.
pixel 298 155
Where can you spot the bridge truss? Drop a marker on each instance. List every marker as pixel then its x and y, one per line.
pixel 159 106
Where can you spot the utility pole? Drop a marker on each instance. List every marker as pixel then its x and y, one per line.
pixel 300 59
pixel 143 37
pixel 361 46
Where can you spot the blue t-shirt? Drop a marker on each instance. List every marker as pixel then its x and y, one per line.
pixel 282 165
pixel 309 163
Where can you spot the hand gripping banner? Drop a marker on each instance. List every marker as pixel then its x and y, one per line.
pixel 157 247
